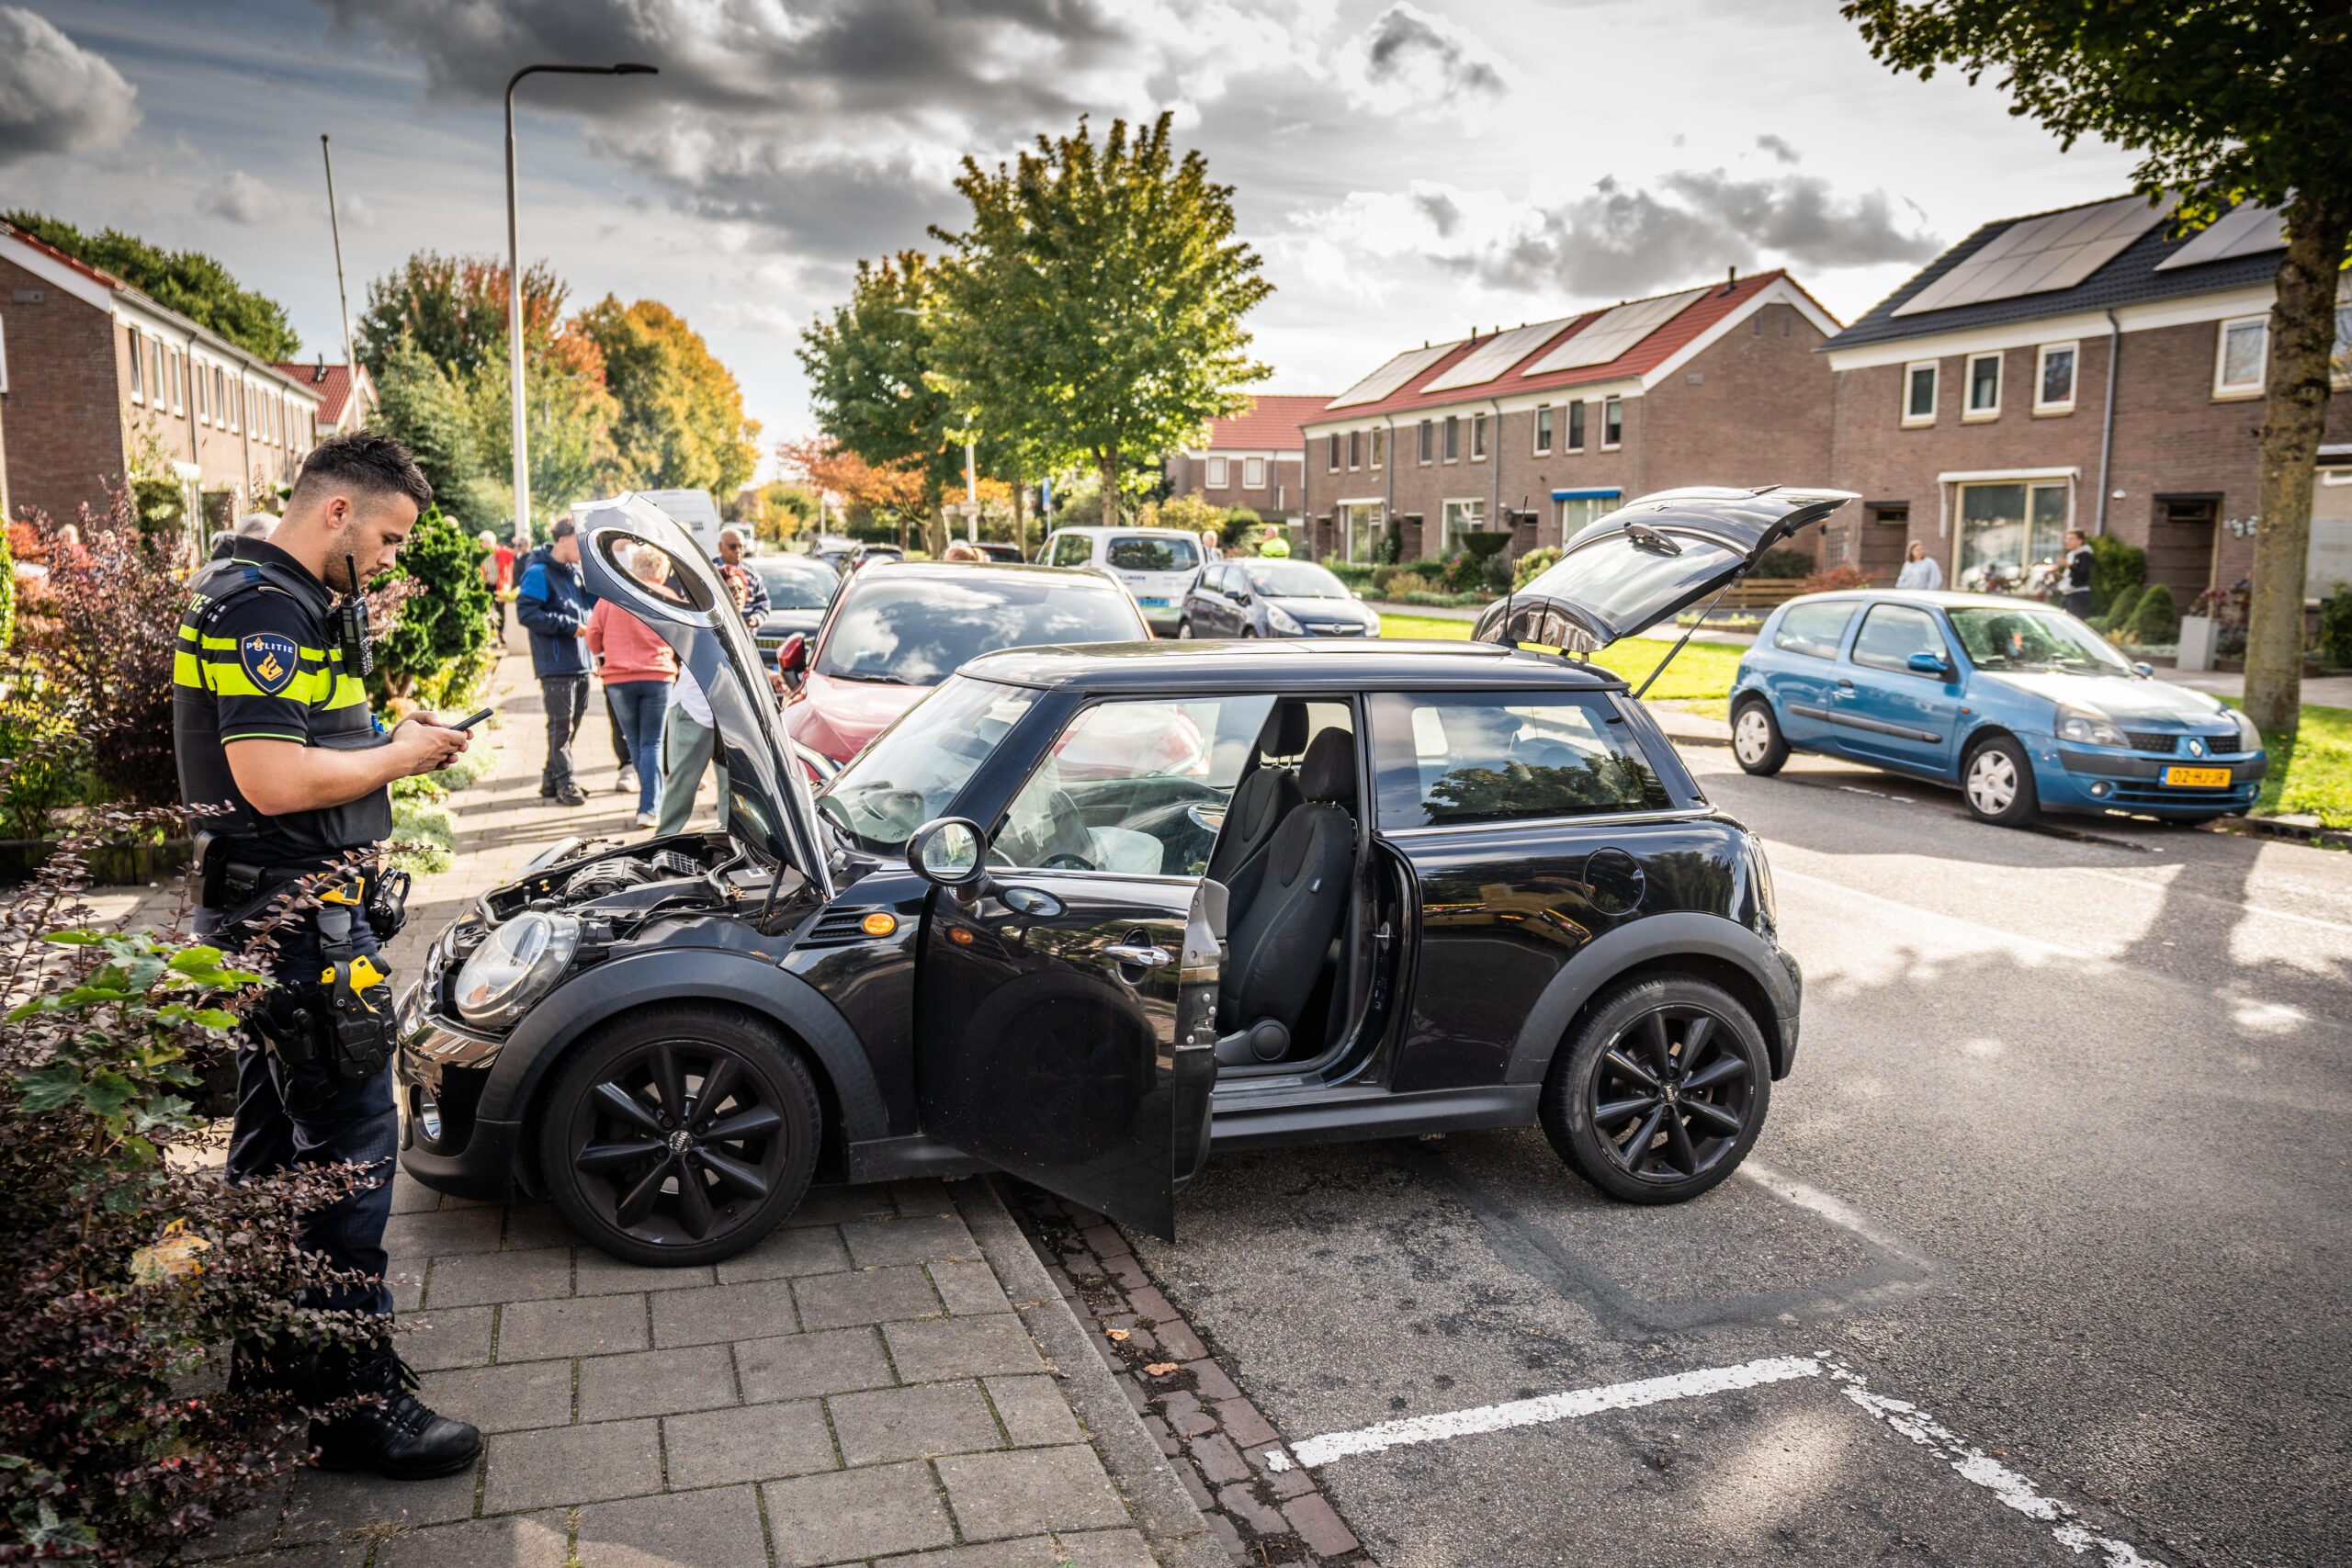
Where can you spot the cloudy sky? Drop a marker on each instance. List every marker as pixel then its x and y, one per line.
pixel 1409 169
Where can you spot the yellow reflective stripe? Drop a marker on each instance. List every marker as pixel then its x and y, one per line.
pixel 185 671
pixel 187 633
pixel 311 687
pixel 348 690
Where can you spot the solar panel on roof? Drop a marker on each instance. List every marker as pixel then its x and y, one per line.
pixel 1391 376
pixel 2036 255
pixel 1494 357
pixel 2242 232
pixel 1615 332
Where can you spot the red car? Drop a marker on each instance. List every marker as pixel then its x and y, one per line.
pixel 897 629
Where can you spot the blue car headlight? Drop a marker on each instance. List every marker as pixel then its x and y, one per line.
pixel 2088 729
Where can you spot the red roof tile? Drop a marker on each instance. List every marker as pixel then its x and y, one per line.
pixel 1645 355
pixel 331 382
pixel 1269 424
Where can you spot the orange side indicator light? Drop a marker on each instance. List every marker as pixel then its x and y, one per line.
pixel 960 935
pixel 879 923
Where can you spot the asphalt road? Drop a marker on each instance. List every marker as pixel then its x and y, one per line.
pixel 2043 1249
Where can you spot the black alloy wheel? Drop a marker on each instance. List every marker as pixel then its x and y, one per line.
pixel 1659 1094
pixel 680 1137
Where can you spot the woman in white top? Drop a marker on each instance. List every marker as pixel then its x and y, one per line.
pixel 1920 569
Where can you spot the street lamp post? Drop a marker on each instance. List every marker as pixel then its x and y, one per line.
pixel 515 277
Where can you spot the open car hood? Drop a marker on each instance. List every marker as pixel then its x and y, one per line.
pixel 1649 559
pixel 769 803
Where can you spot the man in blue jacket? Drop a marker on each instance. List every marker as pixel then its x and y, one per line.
pixel 553 602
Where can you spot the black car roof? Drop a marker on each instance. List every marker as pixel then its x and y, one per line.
pixel 985 571
pixel 1285 661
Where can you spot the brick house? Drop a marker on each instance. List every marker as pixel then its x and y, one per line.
pixel 1542 427
pixel 97 370
pixel 2078 369
pixel 346 402
pixel 1251 460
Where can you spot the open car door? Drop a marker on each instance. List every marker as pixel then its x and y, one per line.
pixel 1066 1031
pixel 1650 560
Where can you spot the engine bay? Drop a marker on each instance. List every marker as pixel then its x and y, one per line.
pixel 626 884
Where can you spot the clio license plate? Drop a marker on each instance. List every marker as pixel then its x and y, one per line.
pixel 2199 778
pixel 1153 603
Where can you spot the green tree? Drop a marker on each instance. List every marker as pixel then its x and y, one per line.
pixel 568 414
pixel 680 422
pixel 1094 312
pixel 455 309
pixel 439 651
pixel 428 410
pixel 2223 103
pixel 190 282
pixel 874 380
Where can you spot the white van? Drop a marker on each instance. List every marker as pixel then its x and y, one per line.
pixel 1157 566
pixel 692 509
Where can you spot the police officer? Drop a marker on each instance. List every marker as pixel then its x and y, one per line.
pixel 270 720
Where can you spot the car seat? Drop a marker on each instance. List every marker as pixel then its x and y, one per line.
pixel 1280 943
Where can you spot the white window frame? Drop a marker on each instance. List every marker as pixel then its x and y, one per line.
pixel 1935 369
pixel 2040 376
pixel 1473 505
pixel 1478 438
pixel 1540 436
pixel 1355 450
pixel 1968 413
pixel 1578 422
pixel 1378 445
pixel 1425 443
pixel 4 358
pixel 1449 439
pixel 176 361
pixel 138 363
pixel 1331 452
pixel 1254 473
pixel 1607 404
pixel 2261 382
pixel 1219 476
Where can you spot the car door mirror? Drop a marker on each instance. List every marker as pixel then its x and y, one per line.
pixel 950 853
pixel 792 657
pixel 1241 595
pixel 2144 668
pixel 1934 665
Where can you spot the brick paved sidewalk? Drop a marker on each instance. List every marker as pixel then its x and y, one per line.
pixel 859 1387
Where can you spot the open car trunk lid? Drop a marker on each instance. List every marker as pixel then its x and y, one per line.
pixel 769 801
pixel 1649 559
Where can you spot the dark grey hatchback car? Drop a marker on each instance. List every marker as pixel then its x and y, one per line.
pixel 1089 915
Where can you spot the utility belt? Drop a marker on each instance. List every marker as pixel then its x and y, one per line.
pixel 340 1024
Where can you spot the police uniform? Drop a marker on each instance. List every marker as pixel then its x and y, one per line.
pixel 262 656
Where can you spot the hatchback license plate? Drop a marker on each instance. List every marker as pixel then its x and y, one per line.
pixel 2199 778
pixel 1153 603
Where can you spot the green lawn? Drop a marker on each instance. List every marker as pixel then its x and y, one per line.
pixel 2310 771
pixel 1703 671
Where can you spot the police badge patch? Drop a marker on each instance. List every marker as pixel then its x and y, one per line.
pixel 270 660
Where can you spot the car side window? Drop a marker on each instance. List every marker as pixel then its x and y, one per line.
pixel 1891 634
pixel 1138 787
pixel 1446 759
pixel 1220 579
pixel 1071 549
pixel 1813 631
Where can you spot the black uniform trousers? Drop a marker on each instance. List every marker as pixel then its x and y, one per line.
pixel 284 1121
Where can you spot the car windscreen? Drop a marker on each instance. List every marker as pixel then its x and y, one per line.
pixel 1293 579
pixel 798 585
pixel 1151 552
pixel 915 769
pixel 917 630
pixel 2023 639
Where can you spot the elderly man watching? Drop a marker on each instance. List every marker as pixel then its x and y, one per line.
pixel 731 551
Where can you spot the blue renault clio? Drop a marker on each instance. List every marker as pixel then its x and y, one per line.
pixel 2019 705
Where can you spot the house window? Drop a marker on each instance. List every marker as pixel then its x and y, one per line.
pixel 1460 517
pixel 1984 387
pixel 137 368
pixel 1543 429
pixel 1612 424
pixel 2242 361
pixel 1254 473
pixel 1477 437
pixel 1920 392
pixel 179 382
pixel 1378 446
pixel 2053 378
pixel 1428 435
pixel 1219 477
pixel 1361 527
pixel 2005 528
pixel 1572 441
pixel 201 385
pixel 1452 438
pixel 1331 457
pixel 1577 511
pixel 155 376
pixel 2339 358
pixel 1355 448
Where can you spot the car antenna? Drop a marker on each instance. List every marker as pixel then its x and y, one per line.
pixel 1510 591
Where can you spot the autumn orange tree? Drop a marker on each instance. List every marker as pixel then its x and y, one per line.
pixel 892 495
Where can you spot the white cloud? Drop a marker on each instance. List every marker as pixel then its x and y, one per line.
pixel 354 209
pixel 56 96
pixel 240 198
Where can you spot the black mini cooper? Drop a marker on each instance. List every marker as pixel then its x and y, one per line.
pixel 1090 914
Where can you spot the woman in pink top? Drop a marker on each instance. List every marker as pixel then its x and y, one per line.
pixel 637 667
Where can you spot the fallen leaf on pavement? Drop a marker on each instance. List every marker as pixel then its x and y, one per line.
pixel 1161 1369
pixel 1114 1333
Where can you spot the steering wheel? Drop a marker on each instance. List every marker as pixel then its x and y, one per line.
pixel 1067 862
pixel 1211 826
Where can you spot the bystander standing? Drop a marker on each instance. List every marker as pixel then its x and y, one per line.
pixel 552 603
pixel 637 667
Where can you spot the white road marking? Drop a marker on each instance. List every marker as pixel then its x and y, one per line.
pixel 1976 1466
pixel 1549 1407
pixel 1837 1211
pixel 2164 890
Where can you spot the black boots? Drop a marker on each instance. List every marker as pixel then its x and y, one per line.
pixel 395 1434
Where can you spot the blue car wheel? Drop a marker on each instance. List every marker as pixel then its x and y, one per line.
pixel 1997 783
pixel 1757 743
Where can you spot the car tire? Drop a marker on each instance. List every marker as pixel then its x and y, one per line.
pixel 1603 1108
pixel 1997 782
pixel 1184 629
pixel 1249 631
pixel 601 1160
pixel 1757 743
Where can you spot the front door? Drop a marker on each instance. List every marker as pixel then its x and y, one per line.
pixel 1893 712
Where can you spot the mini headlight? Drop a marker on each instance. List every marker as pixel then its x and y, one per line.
pixel 1281 620
pixel 2087 729
pixel 2249 738
pixel 515 966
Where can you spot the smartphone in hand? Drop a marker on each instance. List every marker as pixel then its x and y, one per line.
pixel 471 720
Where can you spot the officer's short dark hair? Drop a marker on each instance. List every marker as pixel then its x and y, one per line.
pixel 365 461
pixel 563 528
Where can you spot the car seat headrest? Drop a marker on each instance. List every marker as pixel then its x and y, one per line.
pixel 1286 731
pixel 1328 773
